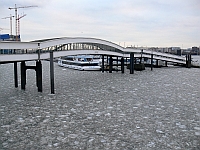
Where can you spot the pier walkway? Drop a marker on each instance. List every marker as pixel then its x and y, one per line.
pixel 25 51
pixel 13 52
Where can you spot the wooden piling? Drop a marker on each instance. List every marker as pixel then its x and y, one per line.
pixel 23 75
pixel 102 65
pixel 151 62
pixel 52 72
pixel 131 63
pixel 122 64
pixel 165 63
pixel 15 74
pixel 110 64
pixel 157 63
pixel 39 75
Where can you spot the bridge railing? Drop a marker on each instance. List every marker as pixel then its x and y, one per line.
pixel 18 51
pixel 145 53
pixel 22 51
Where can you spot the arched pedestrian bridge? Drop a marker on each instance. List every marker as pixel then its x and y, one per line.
pixel 13 52
pixel 23 51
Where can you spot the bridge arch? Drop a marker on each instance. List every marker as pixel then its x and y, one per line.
pixel 80 52
pixel 79 43
pixel 73 46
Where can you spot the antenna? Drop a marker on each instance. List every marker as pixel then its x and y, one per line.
pixel 3 29
pixel 16 19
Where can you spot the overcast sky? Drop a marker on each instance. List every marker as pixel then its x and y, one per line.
pixel 159 23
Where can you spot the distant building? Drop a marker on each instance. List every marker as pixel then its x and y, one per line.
pixel 7 37
pixel 159 49
pixel 186 51
pixel 195 51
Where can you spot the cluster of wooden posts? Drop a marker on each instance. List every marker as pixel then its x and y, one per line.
pixel 132 66
pixel 38 69
pixel 188 61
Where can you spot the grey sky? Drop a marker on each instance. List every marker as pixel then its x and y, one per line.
pixel 131 22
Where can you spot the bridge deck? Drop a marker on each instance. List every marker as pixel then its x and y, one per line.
pixel 20 51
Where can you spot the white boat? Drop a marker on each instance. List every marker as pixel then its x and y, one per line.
pixel 80 62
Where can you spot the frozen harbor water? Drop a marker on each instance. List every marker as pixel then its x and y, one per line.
pixel 149 110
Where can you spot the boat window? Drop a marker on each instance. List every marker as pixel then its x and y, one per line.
pixel 89 59
pixel 95 64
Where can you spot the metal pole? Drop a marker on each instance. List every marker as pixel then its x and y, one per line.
pixel 186 61
pixel 117 63
pixel 157 63
pixel 110 64
pixel 102 66
pixel 190 60
pixel 39 75
pixel 131 63
pixel 141 56
pixel 38 51
pixel 23 75
pixel 151 62
pixel 15 74
pixel 122 64
pixel 52 72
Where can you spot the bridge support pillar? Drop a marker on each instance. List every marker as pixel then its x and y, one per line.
pixel 39 75
pixel 131 63
pixel 188 61
pixel 52 72
pixel 107 60
pixel 110 64
pixel 23 75
pixel 151 62
pixel 141 56
pixel 102 65
pixel 117 64
pixel 165 63
pixel 156 63
pixel 15 74
pixel 122 64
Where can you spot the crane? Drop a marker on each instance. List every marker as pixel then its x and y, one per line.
pixel 10 23
pixel 3 29
pixel 19 17
pixel 16 20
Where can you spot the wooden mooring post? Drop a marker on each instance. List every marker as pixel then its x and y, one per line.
pixel 38 70
pixel 110 64
pixel 52 72
pixel 188 61
pixel 15 74
pixel 102 65
pixel 23 75
pixel 151 62
pixel 131 63
pixel 122 64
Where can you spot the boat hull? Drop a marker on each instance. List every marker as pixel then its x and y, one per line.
pixel 79 65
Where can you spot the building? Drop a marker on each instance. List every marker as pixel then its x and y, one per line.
pixel 195 51
pixel 7 37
